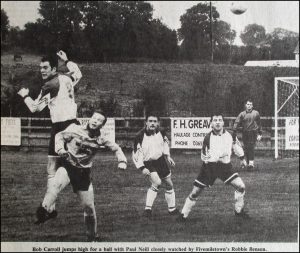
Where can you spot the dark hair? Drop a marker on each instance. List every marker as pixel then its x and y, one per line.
pixel 103 114
pixel 248 100
pixel 216 114
pixel 52 59
pixel 152 114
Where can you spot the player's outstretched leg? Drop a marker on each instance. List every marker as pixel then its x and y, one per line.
pixel 239 194
pixel 189 203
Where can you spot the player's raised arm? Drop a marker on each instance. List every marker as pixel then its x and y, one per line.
pixel 74 71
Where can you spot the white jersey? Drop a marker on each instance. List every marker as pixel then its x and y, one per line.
pixel 149 147
pixel 58 94
pixel 220 147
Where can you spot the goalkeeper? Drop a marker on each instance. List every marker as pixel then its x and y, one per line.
pixel 250 122
pixel 77 146
pixel 216 152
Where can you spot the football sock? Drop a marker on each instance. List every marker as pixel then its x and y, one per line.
pixel 239 201
pixel 151 196
pixel 170 198
pixel 90 222
pixel 188 205
pixel 251 163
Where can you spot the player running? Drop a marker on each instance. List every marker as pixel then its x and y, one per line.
pixel 58 93
pixel 151 155
pixel 216 152
pixel 77 145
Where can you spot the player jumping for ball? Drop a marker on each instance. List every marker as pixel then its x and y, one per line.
pixel 58 93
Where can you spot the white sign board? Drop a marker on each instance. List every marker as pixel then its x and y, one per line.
pixel 292 133
pixel 10 131
pixel 108 131
pixel 188 133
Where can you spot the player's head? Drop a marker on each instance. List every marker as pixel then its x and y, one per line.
pixel 97 121
pixel 249 104
pixel 48 66
pixel 152 121
pixel 217 121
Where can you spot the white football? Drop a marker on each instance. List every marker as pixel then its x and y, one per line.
pixel 237 8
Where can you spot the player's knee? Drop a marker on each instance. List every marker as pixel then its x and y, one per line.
pixel 88 208
pixel 156 182
pixel 169 184
pixel 240 186
pixel 156 185
pixel 195 192
pixel 52 165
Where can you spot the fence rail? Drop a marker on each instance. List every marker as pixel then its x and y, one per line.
pixel 35 131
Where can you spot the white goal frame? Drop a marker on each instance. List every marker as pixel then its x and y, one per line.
pixel 277 110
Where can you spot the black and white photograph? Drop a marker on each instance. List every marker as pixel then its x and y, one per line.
pixel 149 126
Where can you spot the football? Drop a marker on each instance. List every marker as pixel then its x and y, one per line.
pixel 237 8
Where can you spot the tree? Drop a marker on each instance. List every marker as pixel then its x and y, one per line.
pixel 4 25
pixel 195 31
pixel 15 36
pixel 36 36
pixel 282 43
pixel 253 35
pixel 101 31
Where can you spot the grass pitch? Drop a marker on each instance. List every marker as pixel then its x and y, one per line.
pixel 272 198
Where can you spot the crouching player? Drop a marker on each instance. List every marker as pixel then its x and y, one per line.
pixel 77 145
pixel 216 152
pixel 151 155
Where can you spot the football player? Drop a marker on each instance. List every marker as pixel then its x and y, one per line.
pixel 58 94
pixel 77 146
pixel 250 122
pixel 215 154
pixel 151 155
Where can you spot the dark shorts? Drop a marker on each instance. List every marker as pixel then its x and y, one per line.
pixel 56 128
pixel 161 166
pixel 209 172
pixel 80 178
pixel 249 137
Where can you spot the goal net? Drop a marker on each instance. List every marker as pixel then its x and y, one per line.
pixel 286 137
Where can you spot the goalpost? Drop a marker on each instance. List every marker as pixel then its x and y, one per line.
pixel 286 117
